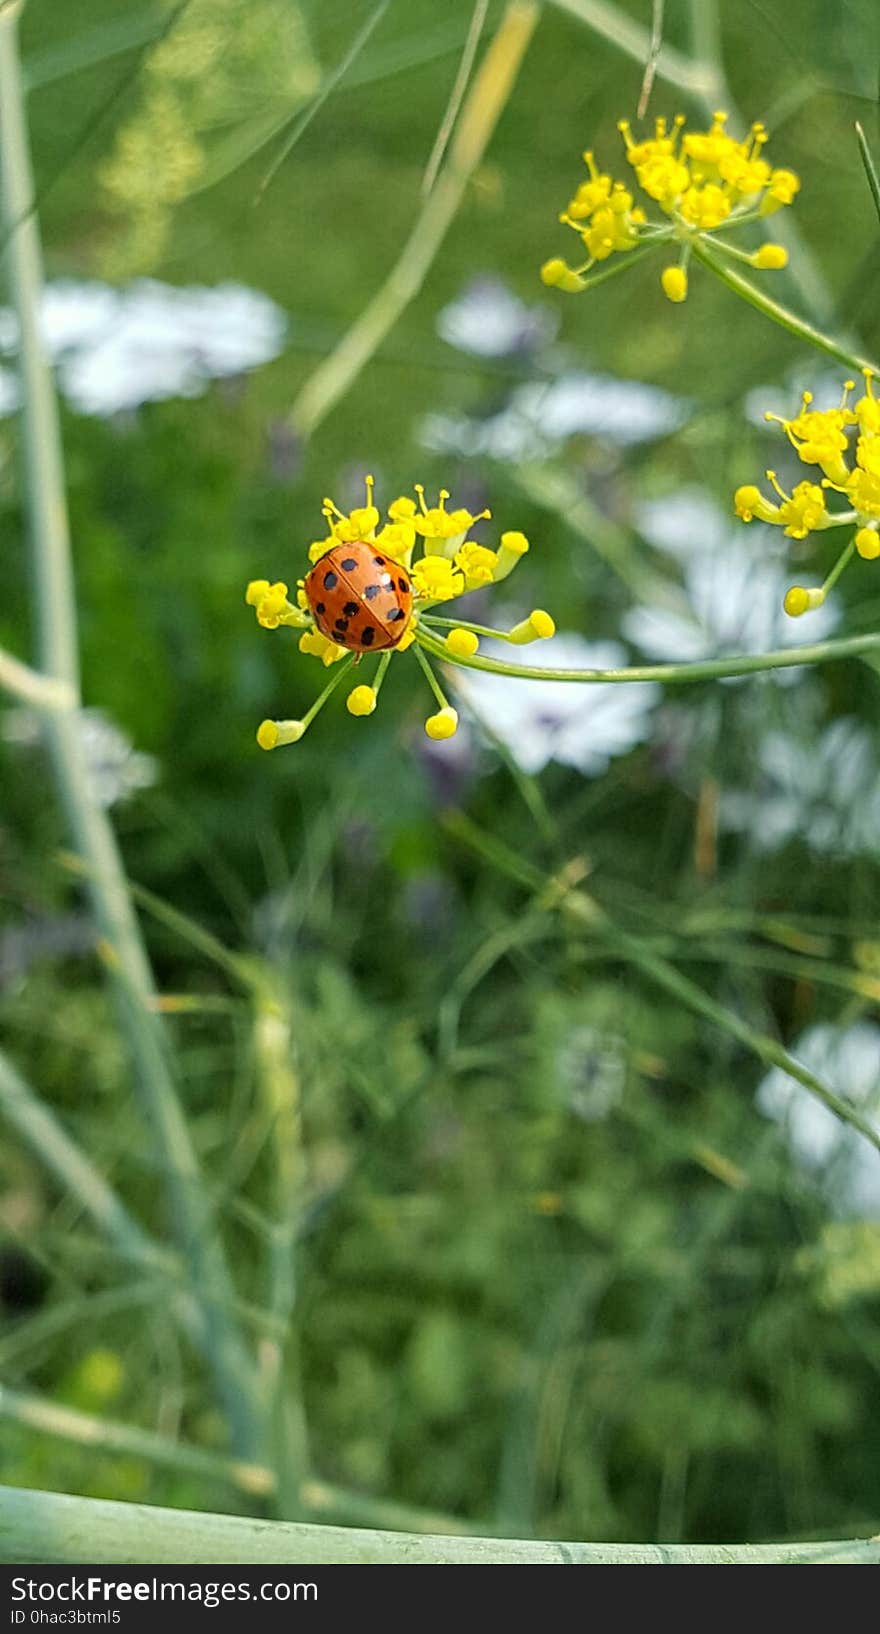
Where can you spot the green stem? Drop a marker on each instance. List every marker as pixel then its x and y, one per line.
pixel 623 261
pixel 31 687
pixel 456 95
pixel 843 560
pixel 703 669
pixel 870 167
pixel 52 1527
pixel 381 671
pixel 56 610
pixel 303 120
pixel 279 1084
pixel 781 314
pixel 341 670
pixel 635 41
pixel 429 675
pixel 105 1436
pixel 58 1153
pixel 486 100
pixel 558 892
pixel 765 1048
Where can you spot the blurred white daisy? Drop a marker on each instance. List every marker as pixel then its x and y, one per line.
pixel 540 416
pixel 10 397
pixel 734 584
pixel 579 725
pixel 591 1065
pixel 116 770
pixel 823 789
pixel 488 320
pixel 115 349
pixel 847 1166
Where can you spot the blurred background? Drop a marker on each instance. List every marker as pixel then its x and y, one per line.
pixel 570 1262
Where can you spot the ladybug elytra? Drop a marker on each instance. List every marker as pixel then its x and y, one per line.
pixel 359 598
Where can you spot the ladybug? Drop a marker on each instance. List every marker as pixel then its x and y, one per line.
pixel 360 598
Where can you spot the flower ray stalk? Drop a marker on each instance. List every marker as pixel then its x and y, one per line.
pixel 708 669
pixel 210 1284
pixel 782 314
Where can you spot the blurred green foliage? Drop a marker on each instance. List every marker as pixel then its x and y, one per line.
pixel 557 1273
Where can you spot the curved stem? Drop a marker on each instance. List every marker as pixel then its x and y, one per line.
pixel 42 692
pixel 430 677
pixel 782 314
pixel 703 669
pixel 51 1526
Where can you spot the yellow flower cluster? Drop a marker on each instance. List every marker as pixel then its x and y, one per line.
pixel 449 565
pixel 704 182
pixel 844 444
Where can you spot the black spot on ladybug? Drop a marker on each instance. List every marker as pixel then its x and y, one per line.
pixel 350 609
pixel 367 636
pixel 402 585
pixel 320 607
pixel 395 614
pixel 349 565
pixel 372 590
pixel 379 561
pixel 330 581
pixel 341 625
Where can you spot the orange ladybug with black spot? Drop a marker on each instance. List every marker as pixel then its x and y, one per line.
pixel 359 598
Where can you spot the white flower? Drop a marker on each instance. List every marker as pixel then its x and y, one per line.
pixel 490 321
pixel 734 584
pixel 10 396
pixel 592 1064
pixel 848 1060
pixel 77 314
pixel 584 725
pixel 115 769
pixel 824 789
pixel 540 416
pixel 115 349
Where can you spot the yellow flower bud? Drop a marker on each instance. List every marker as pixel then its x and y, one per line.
pixel 539 626
pixel 798 600
pixel 256 590
pixel 516 543
pixel 770 256
pixel 361 701
pixel 746 501
pixel 442 725
pixel 272 734
pixel 559 275
pixel 316 645
pixel 784 184
pixel 462 643
pixel 867 543
pixel 674 283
